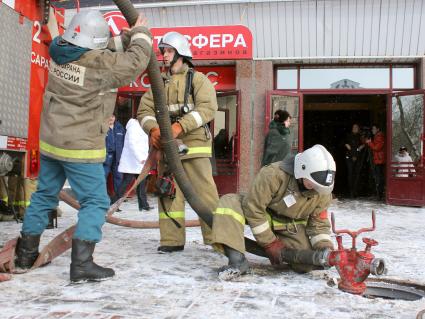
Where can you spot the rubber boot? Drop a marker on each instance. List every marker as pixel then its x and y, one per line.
pixel 237 266
pixel 82 266
pixel 26 251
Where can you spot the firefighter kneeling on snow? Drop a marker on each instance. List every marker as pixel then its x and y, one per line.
pixel 286 207
pixel 72 134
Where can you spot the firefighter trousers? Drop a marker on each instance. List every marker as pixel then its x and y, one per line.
pixel 229 225
pixel 87 180
pixel 20 191
pixel 200 176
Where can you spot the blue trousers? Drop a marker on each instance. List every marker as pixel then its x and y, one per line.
pixel 87 180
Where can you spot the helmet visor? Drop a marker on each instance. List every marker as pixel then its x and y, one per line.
pixel 324 178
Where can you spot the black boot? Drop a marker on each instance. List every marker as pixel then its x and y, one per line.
pixel 238 265
pixel 53 219
pixel 169 249
pixel 82 266
pixel 26 251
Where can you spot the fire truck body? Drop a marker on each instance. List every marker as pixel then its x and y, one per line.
pixel 24 63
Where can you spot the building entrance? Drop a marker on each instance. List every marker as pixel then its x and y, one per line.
pixel 329 119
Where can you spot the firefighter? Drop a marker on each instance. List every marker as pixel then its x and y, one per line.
pixel 189 123
pixel 6 213
pixel 286 206
pixel 20 191
pixel 72 134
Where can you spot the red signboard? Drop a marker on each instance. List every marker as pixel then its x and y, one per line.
pixel 222 77
pixel 230 42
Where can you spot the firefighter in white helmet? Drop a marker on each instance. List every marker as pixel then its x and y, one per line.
pixel 72 134
pixel 286 206
pixel 192 103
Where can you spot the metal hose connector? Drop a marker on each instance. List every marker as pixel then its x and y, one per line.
pixel 306 256
pixel 377 267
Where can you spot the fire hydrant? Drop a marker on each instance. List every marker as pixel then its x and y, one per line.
pixel 352 265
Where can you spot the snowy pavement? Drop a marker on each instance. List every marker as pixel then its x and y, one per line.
pixel 185 285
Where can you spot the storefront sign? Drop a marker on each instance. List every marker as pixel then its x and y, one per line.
pixel 222 77
pixel 230 42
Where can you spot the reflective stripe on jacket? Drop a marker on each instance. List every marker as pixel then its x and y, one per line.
pixel 271 191
pixel 202 110
pixel 74 117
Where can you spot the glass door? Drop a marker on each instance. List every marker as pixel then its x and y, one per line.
pixel 292 103
pixel 226 131
pixel 405 152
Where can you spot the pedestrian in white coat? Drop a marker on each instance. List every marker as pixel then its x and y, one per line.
pixel 133 157
pixel 406 166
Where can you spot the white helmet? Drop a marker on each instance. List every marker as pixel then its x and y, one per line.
pixel 177 41
pixel 318 166
pixel 88 29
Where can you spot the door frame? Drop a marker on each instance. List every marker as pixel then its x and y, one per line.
pixel 236 139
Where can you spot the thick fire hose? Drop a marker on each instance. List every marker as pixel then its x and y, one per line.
pixel 168 144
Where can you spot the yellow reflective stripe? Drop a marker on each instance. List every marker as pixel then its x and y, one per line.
pixel 21 203
pixel 275 222
pixel 77 154
pixel 199 150
pixel 231 213
pixel 172 215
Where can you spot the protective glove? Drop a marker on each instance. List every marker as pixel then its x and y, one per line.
pixel 177 129
pixel 323 244
pixel 274 251
pixel 155 137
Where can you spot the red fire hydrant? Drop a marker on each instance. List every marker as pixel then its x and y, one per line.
pixel 355 266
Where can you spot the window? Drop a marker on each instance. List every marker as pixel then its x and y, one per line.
pixel 287 79
pixel 403 78
pixel 345 78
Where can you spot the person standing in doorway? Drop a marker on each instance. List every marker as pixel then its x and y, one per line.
pixel 114 144
pixel 277 144
pixel 190 110
pixel 134 155
pixel 353 147
pixel 377 145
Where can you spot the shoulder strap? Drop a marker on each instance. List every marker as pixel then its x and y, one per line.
pixel 189 87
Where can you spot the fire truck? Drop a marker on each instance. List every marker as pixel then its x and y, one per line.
pixel 26 29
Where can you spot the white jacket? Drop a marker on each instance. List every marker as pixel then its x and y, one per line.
pixel 405 167
pixel 136 149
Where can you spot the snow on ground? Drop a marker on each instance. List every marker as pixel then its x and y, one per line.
pixel 185 285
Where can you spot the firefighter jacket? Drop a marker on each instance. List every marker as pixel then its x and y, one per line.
pixel 377 145
pixel 74 117
pixel 275 202
pixel 202 106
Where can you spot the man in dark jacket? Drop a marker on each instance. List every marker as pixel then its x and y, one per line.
pixel 277 144
pixel 114 144
pixel 353 147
